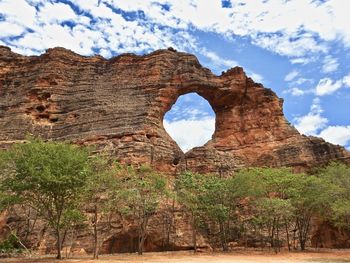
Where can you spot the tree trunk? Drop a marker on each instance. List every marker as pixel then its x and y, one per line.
pixel 141 243
pixel 142 234
pixel 287 234
pixel 223 237
pixel 194 234
pixel 95 234
pixel 59 244
pixel 294 239
pixel 278 238
pixel 272 237
pixel 303 229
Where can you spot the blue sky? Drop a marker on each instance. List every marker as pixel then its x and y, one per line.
pixel 299 48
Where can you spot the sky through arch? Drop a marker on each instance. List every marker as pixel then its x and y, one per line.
pixel 190 121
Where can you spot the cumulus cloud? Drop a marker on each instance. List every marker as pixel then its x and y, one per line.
pixel 300 81
pixel 217 61
pixel 291 75
pixel 8 29
pixel 93 26
pixel 57 13
pixel 302 60
pixel 255 76
pixel 346 80
pixel 297 91
pixel 327 86
pixel 283 45
pixel 330 64
pixel 336 134
pixel 312 122
pixel 190 133
pixel 283 27
pixel 18 12
pixel 249 18
pixel 315 124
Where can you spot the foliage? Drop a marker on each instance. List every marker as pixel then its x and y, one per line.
pixel 49 177
pixel 103 195
pixel 189 191
pixel 271 215
pixel 55 178
pixel 143 191
pixel 337 176
pixel 10 244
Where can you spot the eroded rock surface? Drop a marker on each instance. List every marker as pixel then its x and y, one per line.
pixel 119 105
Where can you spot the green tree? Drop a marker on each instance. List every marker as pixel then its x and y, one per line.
pixel 279 184
pixel 49 177
pixel 143 191
pixel 103 197
pixel 309 197
pixel 272 214
pixel 216 202
pixel 246 186
pixel 337 175
pixel 218 205
pixel 189 188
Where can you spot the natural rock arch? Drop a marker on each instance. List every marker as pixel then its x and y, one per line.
pixel 119 104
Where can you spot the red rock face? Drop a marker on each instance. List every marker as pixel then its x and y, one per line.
pixel 118 105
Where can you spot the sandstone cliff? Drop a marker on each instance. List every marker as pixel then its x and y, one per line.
pixel 118 105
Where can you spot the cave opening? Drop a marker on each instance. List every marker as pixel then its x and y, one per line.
pixel 190 122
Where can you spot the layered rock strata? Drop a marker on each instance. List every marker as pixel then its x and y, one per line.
pixel 118 105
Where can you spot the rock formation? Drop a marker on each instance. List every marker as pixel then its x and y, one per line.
pixel 118 106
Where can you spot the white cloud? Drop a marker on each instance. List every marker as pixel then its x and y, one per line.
pixel 297 92
pixel 302 60
pixel 336 134
pixel 224 64
pixel 283 45
pixel 110 32
pixel 346 80
pixel 315 124
pixel 18 12
pixel 283 27
pixel 300 81
pixel 311 123
pixel 9 29
pixel 190 133
pixel 291 75
pixel 330 64
pixel 255 76
pixel 57 12
pixel 218 61
pixel 327 86
pixel 80 39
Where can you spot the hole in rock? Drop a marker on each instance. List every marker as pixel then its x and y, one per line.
pixel 40 108
pixel 190 121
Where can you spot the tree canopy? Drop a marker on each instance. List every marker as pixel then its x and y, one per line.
pixel 47 176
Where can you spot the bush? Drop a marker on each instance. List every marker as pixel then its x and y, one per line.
pixel 10 245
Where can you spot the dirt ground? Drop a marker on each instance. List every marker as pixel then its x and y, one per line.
pixel 187 256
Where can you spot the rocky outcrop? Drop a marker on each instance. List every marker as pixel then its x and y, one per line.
pixel 118 105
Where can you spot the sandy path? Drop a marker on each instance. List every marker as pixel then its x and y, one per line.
pixel 184 257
